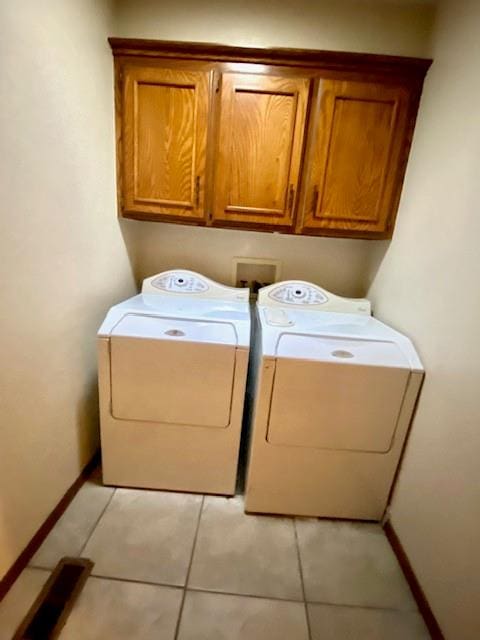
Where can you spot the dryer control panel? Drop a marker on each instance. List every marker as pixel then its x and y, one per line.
pixel 309 296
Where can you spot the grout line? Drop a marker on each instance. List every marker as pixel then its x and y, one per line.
pixel 297 546
pixel 182 603
pixel 361 606
pixel 96 524
pixel 239 595
pixel 136 581
pixel 196 589
pixel 244 595
pixel 194 542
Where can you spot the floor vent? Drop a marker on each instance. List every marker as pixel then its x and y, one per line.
pixel 50 610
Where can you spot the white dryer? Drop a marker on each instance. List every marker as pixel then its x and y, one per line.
pixel 172 372
pixel 334 392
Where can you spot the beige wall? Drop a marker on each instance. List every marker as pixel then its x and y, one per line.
pixel 428 286
pixel 397 27
pixel 366 25
pixel 63 257
pixel 339 265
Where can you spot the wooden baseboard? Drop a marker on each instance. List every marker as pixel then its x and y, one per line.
pixel 417 591
pixel 24 558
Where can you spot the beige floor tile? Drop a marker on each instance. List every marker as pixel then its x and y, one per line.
pixel 351 563
pixel 213 616
pixel 19 599
pixel 72 530
pixel 114 610
pixel 146 536
pixel 355 623
pixel 245 554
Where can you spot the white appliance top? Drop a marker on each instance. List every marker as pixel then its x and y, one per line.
pixel 183 305
pixel 303 321
pixel 133 325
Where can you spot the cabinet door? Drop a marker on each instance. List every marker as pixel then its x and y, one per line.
pixel 356 158
pixel 165 123
pixel 261 130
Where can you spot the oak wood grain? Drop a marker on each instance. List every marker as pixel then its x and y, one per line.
pixel 353 170
pixel 165 125
pixel 260 138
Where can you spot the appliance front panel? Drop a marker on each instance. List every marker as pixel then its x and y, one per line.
pixel 171 382
pixel 333 406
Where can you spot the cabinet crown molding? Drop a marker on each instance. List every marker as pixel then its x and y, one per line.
pixel 332 60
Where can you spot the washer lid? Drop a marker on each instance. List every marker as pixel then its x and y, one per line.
pixel 165 328
pixel 340 350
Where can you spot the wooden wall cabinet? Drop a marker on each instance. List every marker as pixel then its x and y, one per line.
pixel 354 166
pixel 260 141
pixel 164 124
pixel 295 141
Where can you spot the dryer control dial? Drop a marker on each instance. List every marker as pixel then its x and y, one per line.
pixel 180 283
pixel 298 294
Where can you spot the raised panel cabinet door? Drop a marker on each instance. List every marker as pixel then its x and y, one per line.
pixel 356 157
pixel 260 138
pixel 165 124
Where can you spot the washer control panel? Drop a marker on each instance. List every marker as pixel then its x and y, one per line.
pixel 308 296
pixel 298 293
pixel 177 282
pixel 180 283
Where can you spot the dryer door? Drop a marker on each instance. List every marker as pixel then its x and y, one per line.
pixel 341 394
pixel 172 371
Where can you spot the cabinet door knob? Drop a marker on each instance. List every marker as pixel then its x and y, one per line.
pixel 291 198
pixel 197 192
pixel 314 199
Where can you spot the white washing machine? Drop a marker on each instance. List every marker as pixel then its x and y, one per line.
pixel 172 372
pixel 333 393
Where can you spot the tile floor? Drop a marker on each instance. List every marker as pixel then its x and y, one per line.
pixel 171 566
